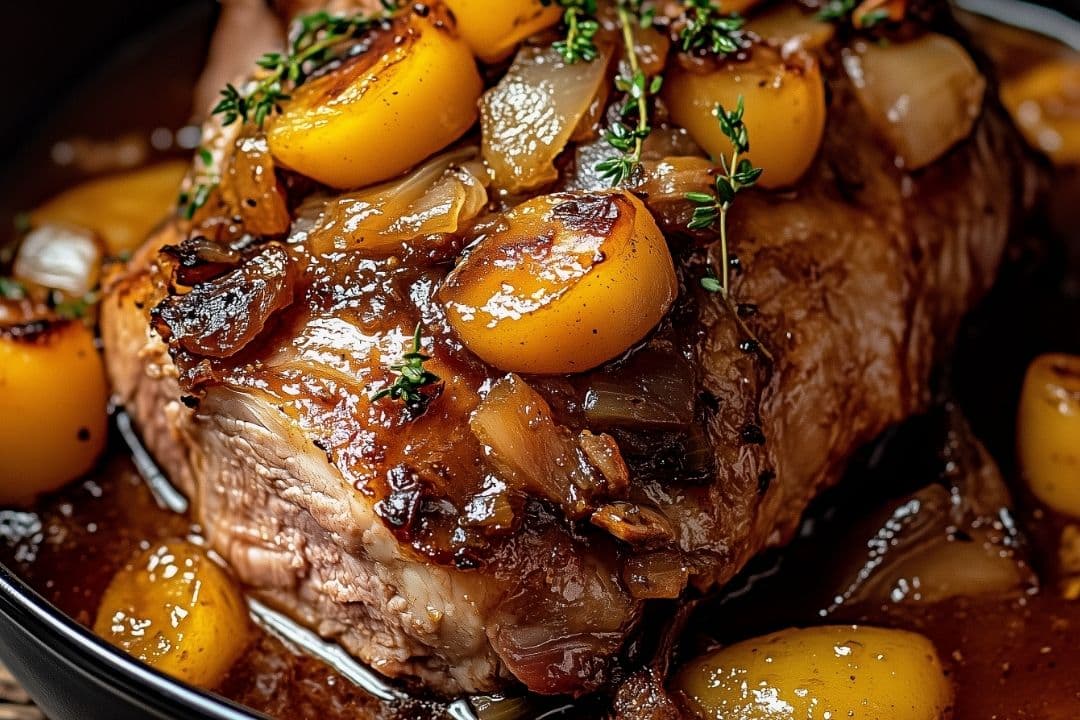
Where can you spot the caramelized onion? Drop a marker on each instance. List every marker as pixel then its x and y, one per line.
pixel 634 524
pixel 923 96
pixel 660 574
pixel 438 197
pixel 652 390
pixel 528 118
pixel 1045 102
pixel 219 318
pixel 60 257
pixel 250 187
pixel 530 452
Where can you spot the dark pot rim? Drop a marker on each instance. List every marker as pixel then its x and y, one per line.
pixel 104 664
pixel 66 641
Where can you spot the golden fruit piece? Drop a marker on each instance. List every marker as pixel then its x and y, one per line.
pixel 493 30
pixel 1045 102
pixel 1048 431
pixel 564 283
pixel 53 397
pixel 178 611
pixel 785 111
pixel 410 95
pixel 123 209
pixel 851 672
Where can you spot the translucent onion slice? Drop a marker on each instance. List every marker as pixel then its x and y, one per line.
pixel 60 257
pixel 439 197
pixel 923 96
pixel 528 118
pixel 528 450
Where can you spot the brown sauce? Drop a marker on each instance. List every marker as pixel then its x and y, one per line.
pixel 1015 655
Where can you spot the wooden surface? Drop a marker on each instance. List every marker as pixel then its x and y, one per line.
pixel 15 704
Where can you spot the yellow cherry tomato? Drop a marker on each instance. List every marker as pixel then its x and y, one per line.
pixel 123 209
pixel 493 30
pixel 1048 431
pixel 53 399
pixel 413 93
pixel 785 111
pixel 177 610
pixel 849 672
pixel 565 283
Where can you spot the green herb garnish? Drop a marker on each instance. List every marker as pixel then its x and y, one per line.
pixel 706 29
pixel 76 308
pixel 844 10
pixel 412 377
pixel 311 48
pixel 628 133
pixel 190 202
pixel 874 17
pixel 835 10
pixel 205 181
pixel 579 17
pixel 711 208
pixel 11 289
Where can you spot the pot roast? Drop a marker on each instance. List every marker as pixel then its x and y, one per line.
pixel 502 525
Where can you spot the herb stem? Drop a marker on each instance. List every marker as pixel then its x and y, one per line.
pixel 626 25
pixel 724 207
pixel 628 131
pixel 319 33
pixel 711 208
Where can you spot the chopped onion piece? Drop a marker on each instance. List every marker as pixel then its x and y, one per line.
pixel 924 96
pixel 661 574
pixel 438 197
pixel 60 257
pixel 529 117
pixel 653 390
pixel 531 453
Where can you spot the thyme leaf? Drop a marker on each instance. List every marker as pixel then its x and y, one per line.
pixel 711 208
pixel 627 134
pixel 706 29
pixel 11 289
pixel 190 201
pixel 312 47
pixel 579 17
pixel 412 376
pixel 76 308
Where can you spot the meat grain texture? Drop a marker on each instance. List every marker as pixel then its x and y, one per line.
pixel 377 530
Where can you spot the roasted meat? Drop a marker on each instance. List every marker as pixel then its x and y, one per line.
pixel 497 527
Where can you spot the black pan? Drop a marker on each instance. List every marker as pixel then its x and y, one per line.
pixel 67 670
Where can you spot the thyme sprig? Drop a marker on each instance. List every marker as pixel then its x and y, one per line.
pixel 711 208
pixel 74 308
pixel 863 14
pixel 311 48
pixel 706 29
pixel 412 377
pixel 627 134
pixel 579 17
pixel 204 182
pixel 835 10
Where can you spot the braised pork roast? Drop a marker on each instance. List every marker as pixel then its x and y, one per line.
pixel 508 517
